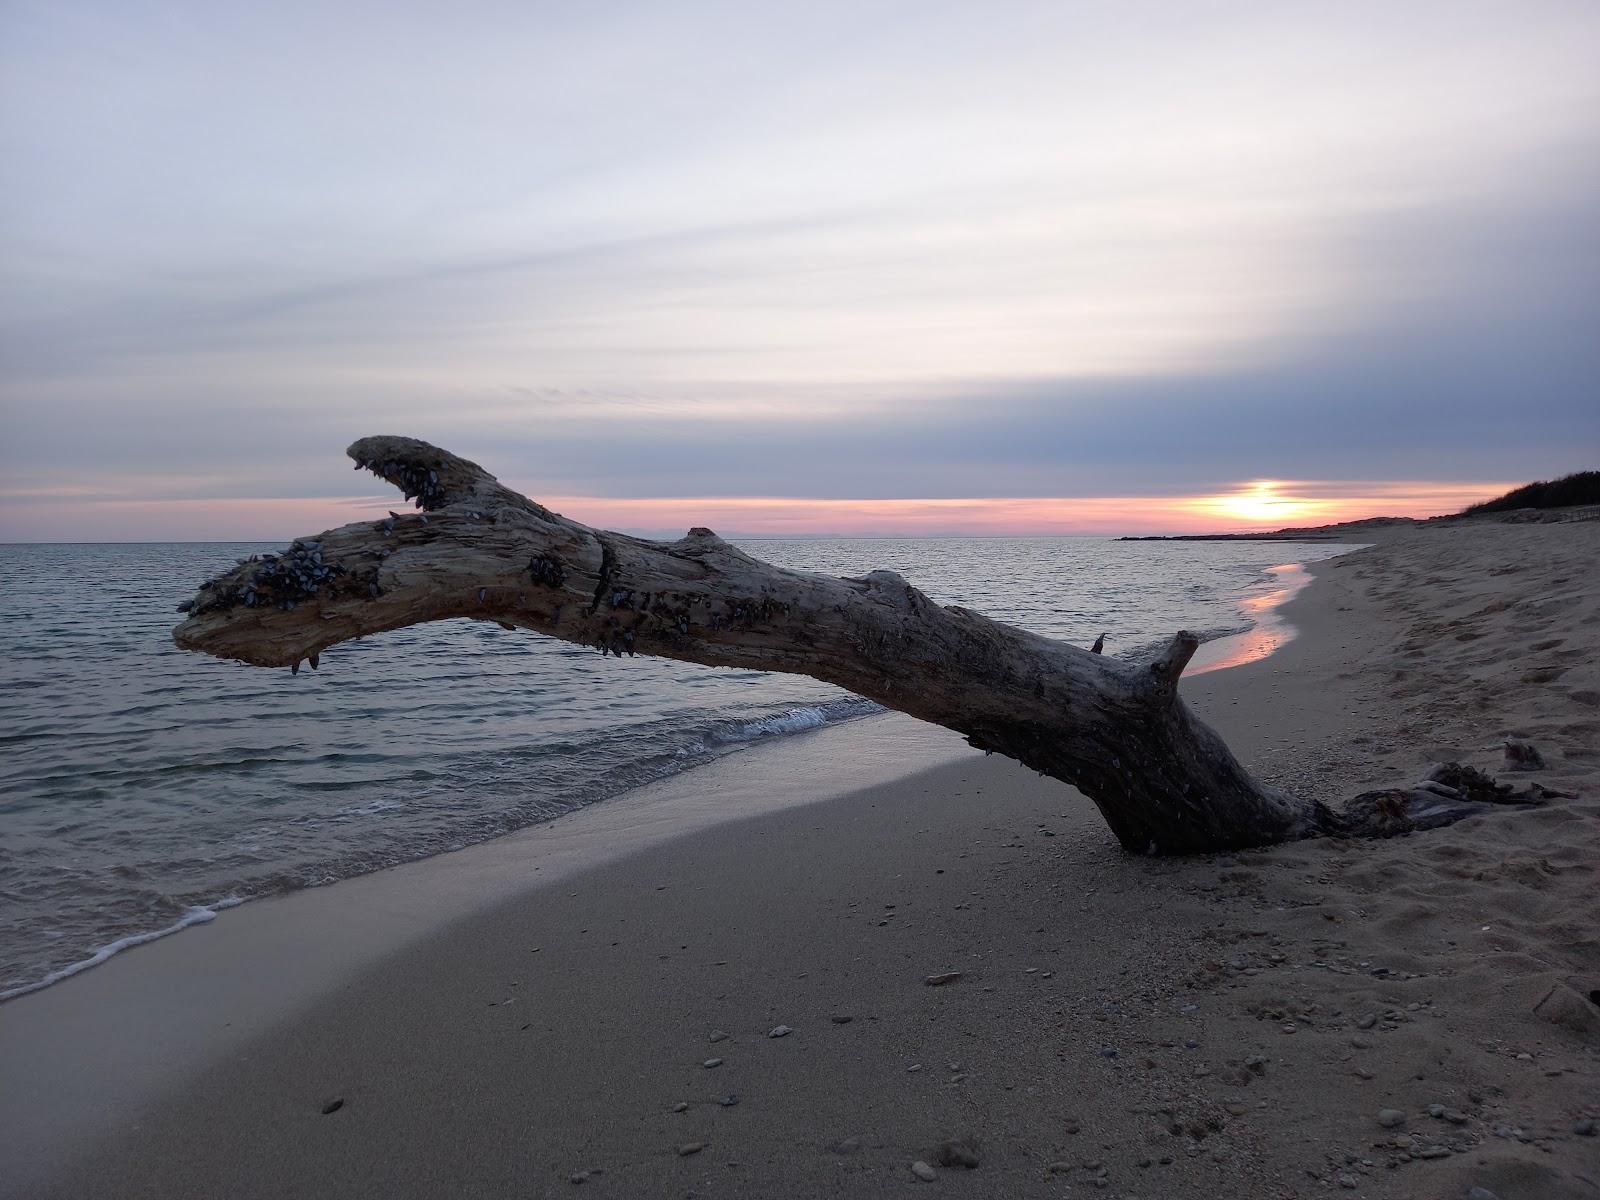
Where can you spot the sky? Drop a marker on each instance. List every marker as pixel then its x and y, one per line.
pixel 856 268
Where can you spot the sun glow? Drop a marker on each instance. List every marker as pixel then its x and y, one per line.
pixel 1263 502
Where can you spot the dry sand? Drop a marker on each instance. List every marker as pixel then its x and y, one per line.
pixel 1228 1026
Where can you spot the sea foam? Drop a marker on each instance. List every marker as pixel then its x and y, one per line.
pixel 194 915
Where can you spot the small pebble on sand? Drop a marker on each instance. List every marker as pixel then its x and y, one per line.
pixel 779 1031
pixel 923 1171
pixel 1391 1118
pixel 711 1062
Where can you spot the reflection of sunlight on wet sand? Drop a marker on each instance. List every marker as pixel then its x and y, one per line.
pixel 1269 632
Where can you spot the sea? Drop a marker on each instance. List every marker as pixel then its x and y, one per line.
pixel 144 789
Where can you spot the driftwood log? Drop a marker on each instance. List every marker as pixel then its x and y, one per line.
pixel 1119 732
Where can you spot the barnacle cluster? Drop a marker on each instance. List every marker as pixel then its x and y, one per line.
pixel 668 612
pixel 277 580
pixel 547 569
pixel 618 642
pixel 420 484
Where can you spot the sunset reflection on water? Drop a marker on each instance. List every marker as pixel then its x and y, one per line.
pixel 1269 631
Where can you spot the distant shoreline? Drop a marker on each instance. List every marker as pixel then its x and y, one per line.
pixel 1235 537
pixel 1365 529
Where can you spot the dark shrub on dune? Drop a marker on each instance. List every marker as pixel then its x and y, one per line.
pixel 1583 487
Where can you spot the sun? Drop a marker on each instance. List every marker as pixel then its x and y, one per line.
pixel 1260 502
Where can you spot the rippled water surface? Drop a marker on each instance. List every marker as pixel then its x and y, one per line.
pixel 137 782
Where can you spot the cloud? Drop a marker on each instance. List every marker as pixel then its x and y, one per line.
pixel 1042 251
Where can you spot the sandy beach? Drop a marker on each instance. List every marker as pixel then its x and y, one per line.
pixel 743 1008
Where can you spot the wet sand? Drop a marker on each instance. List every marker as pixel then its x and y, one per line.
pixel 1220 1026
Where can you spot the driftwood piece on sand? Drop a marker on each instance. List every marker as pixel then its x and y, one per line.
pixel 1119 732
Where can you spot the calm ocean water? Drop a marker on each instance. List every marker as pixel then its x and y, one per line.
pixel 141 787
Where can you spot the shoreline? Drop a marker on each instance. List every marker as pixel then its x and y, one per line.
pixel 838 909
pixel 256 966
pixel 1269 630
pixel 1266 633
pixel 208 911
pixel 254 944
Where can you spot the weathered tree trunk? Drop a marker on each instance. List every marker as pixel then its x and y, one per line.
pixel 1165 783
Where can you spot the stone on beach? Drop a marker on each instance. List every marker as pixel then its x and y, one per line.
pixel 1523 756
pixel 957 1152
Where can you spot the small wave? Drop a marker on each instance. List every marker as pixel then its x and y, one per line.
pixel 793 720
pixel 196 915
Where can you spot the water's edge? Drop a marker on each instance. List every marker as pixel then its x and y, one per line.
pixel 1260 633
pixel 729 738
